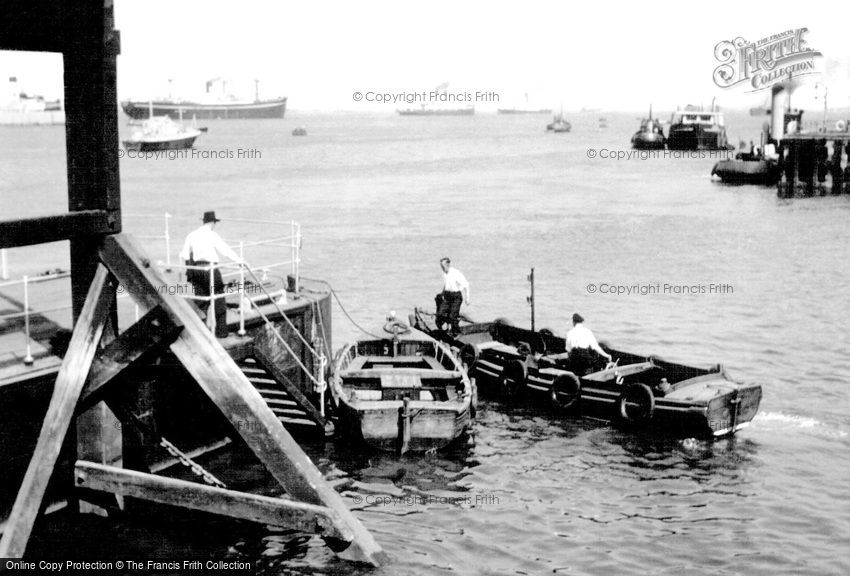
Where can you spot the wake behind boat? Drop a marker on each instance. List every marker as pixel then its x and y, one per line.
pixel 402 390
pixel 634 390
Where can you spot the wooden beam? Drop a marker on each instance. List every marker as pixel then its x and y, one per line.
pixel 153 330
pixel 163 490
pixel 228 387
pixel 304 403
pixel 41 229
pixel 69 383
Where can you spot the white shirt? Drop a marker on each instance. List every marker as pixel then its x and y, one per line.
pixel 204 243
pixel 455 281
pixel 581 337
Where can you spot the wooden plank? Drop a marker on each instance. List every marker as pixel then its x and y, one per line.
pixel 69 383
pixel 55 227
pixel 300 398
pixel 307 518
pixel 225 384
pixel 154 329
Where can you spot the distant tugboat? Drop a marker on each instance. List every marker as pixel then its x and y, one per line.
pixel 696 129
pixel 558 123
pixel 650 136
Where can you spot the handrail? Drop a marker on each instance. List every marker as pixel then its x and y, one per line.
pixel 291 241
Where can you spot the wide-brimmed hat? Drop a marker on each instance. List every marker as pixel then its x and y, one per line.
pixel 210 217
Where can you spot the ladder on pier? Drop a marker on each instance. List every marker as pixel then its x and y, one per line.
pixel 279 397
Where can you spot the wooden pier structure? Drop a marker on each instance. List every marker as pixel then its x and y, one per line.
pixel 102 376
pixel 814 164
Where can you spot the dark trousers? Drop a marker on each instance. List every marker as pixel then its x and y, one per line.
pixel 200 280
pixel 448 309
pixel 585 360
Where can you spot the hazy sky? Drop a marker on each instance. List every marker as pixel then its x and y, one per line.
pixel 581 54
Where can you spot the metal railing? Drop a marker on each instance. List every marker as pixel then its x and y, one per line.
pixel 25 282
pixel 229 272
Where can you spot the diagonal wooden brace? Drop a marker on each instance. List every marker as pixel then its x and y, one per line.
pixel 69 384
pixel 228 387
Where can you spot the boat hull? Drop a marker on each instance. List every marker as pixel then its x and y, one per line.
pixel 701 403
pixel 648 141
pixel 160 145
pixel 225 111
pixel 736 171
pixel 696 137
pixel 377 424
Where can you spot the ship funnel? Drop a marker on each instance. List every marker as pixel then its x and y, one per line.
pixel 778 102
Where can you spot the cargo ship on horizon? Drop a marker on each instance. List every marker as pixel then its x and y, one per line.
pixel 225 107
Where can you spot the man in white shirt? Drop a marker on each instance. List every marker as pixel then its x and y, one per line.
pixel 455 292
pixel 202 248
pixel 583 348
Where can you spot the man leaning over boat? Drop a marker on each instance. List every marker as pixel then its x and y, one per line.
pixel 585 352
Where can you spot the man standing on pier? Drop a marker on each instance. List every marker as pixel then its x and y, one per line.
pixel 202 248
pixel 455 292
pixel 583 348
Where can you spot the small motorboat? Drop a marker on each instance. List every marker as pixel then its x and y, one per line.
pixel 650 135
pixel 299 131
pixel 160 133
pixel 748 168
pixel 634 390
pixel 558 124
pixel 401 390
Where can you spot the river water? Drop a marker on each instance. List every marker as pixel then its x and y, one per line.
pixel 705 272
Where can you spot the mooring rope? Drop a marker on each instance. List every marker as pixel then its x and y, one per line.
pixel 341 307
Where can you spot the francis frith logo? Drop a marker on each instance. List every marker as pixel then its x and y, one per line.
pixel 763 63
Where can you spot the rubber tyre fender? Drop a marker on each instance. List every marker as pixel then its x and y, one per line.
pixel 566 391
pixel 512 380
pixel 469 354
pixel 640 394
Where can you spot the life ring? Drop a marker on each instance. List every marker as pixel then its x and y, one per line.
pixel 841 125
pixel 396 327
pixel 512 379
pixel 469 354
pixel 565 391
pixel 636 404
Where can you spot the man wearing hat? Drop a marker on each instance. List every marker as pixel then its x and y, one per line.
pixel 583 348
pixel 202 248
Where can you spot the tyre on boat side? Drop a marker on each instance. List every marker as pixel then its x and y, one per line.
pixel 512 380
pixel 565 391
pixel 636 405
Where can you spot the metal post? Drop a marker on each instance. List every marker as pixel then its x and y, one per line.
pixel 28 359
pixel 211 307
pixel 4 273
pixel 242 288
pixel 167 241
pixel 530 299
pixel 322 384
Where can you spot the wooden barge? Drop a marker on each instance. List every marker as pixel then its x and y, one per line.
pixel 635 391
